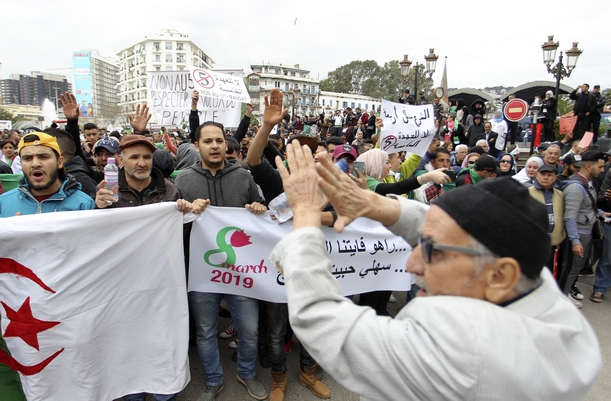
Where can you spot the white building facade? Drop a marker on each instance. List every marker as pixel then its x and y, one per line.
pixel 331 101
pixel 168 50
pixel 301 92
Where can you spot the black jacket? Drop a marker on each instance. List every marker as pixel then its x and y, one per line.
pixel 590 105
pixel 82 173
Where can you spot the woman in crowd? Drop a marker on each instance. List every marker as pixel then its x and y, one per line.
pixel 377 166
pixel 506 163
pixel 527 175
pixel 10 157
pixel 470 160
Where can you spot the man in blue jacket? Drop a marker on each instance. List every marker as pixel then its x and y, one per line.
pixel 45 187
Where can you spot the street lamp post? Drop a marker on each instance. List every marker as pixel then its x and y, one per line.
pixel 294 99
pixel 559 71
pixel 431 62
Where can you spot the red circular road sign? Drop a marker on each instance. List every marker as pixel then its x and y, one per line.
pixel 515 110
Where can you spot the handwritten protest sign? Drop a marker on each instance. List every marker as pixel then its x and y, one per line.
pixel 230 247
pixel 219 86
pixel 567 124
pixel 406 127
pixel 170 98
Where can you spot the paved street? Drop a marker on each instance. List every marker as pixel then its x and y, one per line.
pixel 599 316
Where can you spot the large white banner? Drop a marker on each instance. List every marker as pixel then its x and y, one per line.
pixel 230 249
pixel 170 98
pixel 217 85
pixel 406 127
pixel 94 303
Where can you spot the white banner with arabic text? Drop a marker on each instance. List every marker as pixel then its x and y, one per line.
pixel 407 127
pixel 218 85
pixel 230 249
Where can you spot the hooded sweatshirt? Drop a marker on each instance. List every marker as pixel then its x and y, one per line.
pixel 232 186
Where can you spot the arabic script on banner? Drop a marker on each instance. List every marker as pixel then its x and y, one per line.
pixel 406 127
pixel 220 86
pixel 230 247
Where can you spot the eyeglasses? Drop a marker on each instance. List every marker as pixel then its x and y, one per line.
pixel 427 248
pixel 505 161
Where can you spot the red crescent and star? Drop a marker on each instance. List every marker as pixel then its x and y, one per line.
pixel 22 323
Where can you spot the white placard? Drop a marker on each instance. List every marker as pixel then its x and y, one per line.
pixel 230 248
pixel 406 127
pixel 217 85
pixel 170 98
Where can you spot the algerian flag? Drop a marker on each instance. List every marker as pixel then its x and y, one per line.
pixel 93 304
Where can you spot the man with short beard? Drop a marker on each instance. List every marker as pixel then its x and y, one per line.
pixel 139 182
pixel 222 183
pixel 45 186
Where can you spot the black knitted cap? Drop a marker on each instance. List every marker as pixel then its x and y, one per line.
pixel 501 214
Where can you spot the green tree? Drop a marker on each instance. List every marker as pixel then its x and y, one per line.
pixel 350 78
pixel 7 115
pixel 370 79
pixel 564 106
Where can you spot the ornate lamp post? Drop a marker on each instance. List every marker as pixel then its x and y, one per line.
pixel 431 62
pixel 559 70
pixel 294 98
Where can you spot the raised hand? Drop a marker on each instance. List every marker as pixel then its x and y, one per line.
pixel 140 118
pixel 301 185
pixel 250 107
pixel 274 113
pixel 69 106
pixel 194 100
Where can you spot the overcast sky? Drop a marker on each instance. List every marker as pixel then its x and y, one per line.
pixel 487 43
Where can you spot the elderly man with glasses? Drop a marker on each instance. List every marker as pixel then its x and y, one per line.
pixel 489 321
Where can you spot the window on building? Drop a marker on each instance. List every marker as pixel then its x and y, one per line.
pixel 168 58
pixel 344 104
pixel 359 106
pixel 352 105
pixel 180 46
pixel 292 73
pixel 276 71
pixel 157 68
pixel 181 68
pixel 366 106
pixel 323 102
pixel 330 103
pixel 156 46
pixel 157 57
pixel 168 68
pixel 168 45
pixel 286 86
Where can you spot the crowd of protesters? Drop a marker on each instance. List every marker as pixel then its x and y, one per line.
pixel 573 183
